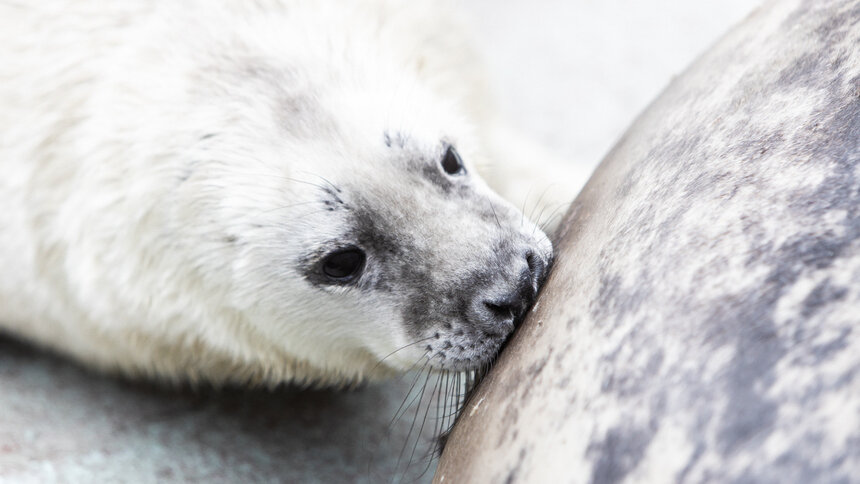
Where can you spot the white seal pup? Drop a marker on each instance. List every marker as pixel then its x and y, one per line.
pixel 253 191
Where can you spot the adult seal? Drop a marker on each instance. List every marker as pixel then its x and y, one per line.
pixel 254 192
pixel 701 320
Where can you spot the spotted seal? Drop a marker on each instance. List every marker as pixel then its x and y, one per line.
pixel 701 321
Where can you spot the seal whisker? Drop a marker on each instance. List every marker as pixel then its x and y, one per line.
pixel 559 210
pixel 447 394
pixel 496 216
pixel 399 349
pixel 537 203
pixel 456 405
pixel 397 414
pixel 414 419
pixel 523 208
pixel 287 178
pixel 441 413
pixel 423 422
pixel 332 185
pixel 284 207
pixel 440 396
pixel 308 214
pixel 412 367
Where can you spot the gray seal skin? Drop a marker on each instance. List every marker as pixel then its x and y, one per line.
pixel 701 321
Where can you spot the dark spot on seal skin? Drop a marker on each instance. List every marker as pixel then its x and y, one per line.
pixel 803 71
pixel 825 351
pixel 698 452
pixel 564 382
pixel 512 475
pixel 835 27
pixel 534 370
pixel 748 413
pixel 831 31
pixel 801 467
pixel 618 453
pixel 614 301
pixel 636 379
pixel 823 294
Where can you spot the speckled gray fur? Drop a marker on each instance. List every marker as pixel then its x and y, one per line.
pixel 701 322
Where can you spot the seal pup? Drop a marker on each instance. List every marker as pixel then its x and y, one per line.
pixel 264 192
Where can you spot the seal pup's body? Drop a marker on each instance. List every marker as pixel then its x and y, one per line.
pixel 253 191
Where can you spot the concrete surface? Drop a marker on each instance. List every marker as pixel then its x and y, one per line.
pixel 573 73
pixel 61 423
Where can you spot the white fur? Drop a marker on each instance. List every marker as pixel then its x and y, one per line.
pixel 104 107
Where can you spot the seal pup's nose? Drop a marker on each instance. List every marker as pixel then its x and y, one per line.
pixel 500 307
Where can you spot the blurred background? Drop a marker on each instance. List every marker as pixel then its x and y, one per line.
pixel 572 74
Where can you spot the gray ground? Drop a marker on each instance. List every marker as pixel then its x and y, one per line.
pixel 573 73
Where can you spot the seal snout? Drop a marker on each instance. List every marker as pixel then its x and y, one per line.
pixel 498 308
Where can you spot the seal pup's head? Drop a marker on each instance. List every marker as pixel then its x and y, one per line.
pixel 342 228
pixel 363 238
pixel 422 251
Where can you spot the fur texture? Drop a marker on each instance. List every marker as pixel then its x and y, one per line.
pixel 173 171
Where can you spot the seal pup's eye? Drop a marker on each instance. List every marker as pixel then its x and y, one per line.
pixel 452 163
pixel 344 265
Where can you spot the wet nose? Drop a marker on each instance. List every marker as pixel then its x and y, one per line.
pixel 502 305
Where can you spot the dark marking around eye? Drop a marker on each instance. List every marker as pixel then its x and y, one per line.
pixel 447 172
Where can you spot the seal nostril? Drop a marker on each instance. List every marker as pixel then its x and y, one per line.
pixel 499 318
pixel 532 261
pixel 537 268
pixel 501 311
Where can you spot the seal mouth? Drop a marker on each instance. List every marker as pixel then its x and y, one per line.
pixel 460 356
pixel 491 325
